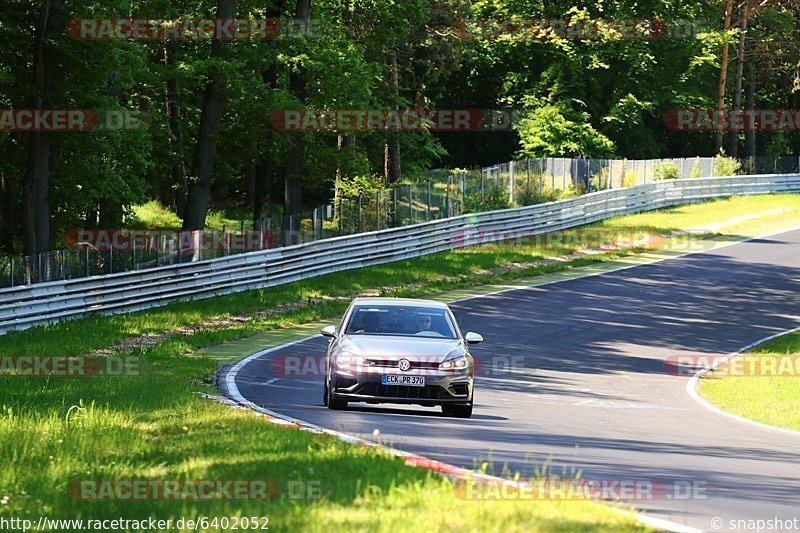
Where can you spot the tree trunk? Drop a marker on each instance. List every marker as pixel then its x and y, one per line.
pixel 391 156
pixel 733 146
pixel 262 188
pixel 178 167
pixel 90 220
pixel 197 200
pixel 36 197
pixel 250 175
pixel 293 189
pixel 750 132
pixel 293 181
pixel 723 76
pixel 262 179
pixel 342 144
pixel 7 213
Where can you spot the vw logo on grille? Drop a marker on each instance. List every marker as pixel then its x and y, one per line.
pixel 404 364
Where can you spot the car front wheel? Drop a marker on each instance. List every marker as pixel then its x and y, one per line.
pixel 332 402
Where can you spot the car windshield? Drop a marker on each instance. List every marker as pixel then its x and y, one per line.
pixel 399 320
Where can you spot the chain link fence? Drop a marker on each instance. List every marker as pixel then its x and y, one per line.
pixel 437 194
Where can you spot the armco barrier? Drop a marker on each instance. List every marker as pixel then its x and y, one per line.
pixel 25 306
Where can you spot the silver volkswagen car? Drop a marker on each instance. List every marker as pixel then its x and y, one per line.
pixel 395 350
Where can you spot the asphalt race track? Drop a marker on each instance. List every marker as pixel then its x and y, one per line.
pixel 587 388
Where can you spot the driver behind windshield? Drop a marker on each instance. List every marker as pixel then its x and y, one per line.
pixel 423 323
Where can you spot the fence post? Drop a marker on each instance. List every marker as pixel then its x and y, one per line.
pixel 447 198
pixel 378 210
pixel 428 216
pixel 528 178
pixel 541 177
pixel 463 192
pixel 411 202
pixel 394 206
pixel 512 180
pixel 340 216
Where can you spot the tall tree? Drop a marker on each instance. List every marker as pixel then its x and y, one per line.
pixel 733 145
pixel 293 182
pixel 36 203
pixel 723 72
pixel 207 138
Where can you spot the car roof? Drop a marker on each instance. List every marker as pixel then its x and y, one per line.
pixel 407 302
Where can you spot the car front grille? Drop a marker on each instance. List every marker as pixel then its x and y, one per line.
pixel 388 363
pixel 428 392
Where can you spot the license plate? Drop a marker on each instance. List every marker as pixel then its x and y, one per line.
pixel 406 381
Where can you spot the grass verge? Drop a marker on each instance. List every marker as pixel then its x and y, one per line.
pixel 773 397
pixel 151 425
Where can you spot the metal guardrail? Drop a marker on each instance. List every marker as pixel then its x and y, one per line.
pixel 26 306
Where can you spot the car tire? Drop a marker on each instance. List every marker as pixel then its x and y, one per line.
pixel 332 402
pixel 458 411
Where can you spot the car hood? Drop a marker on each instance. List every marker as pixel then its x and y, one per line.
pixel 395 348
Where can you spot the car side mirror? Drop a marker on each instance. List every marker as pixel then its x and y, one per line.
pixel 473 338
pixel 328 331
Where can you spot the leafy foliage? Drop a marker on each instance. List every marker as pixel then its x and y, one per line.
pixel 598 97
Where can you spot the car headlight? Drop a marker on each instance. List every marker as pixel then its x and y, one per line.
pixel 349 360
pixel 458 363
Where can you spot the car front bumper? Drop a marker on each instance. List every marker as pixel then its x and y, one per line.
pixel 441 387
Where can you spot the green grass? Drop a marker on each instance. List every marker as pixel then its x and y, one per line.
pixel 154 215
pixel 771 399
pixel 154 426
pixel 700 215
